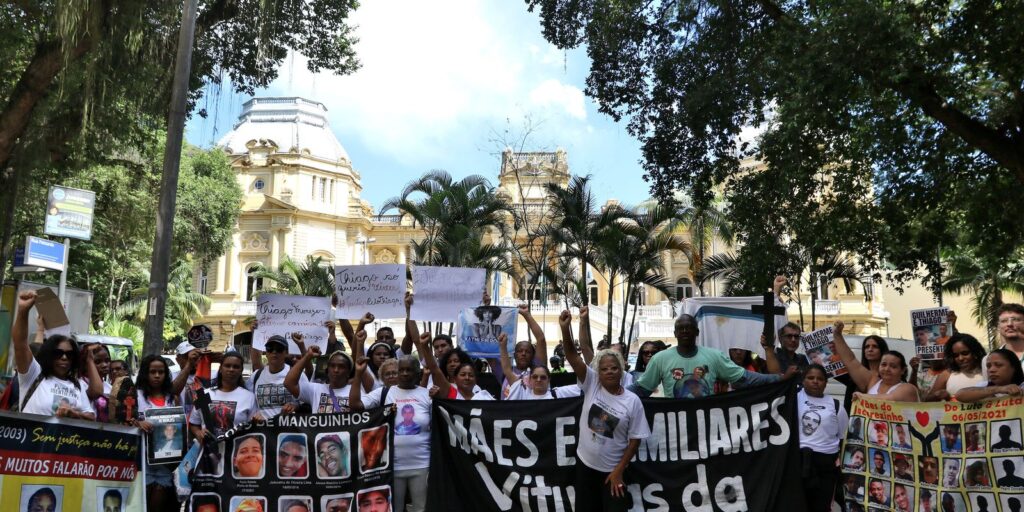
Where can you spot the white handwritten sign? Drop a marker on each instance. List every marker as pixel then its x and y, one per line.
pixel 441 292
pixel 285 314
pixel 378 289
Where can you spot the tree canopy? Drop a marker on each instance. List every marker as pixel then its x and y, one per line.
pixel 916 106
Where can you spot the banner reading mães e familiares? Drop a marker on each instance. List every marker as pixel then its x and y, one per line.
pixel 732 452
pixel 935 456
pixel 69 465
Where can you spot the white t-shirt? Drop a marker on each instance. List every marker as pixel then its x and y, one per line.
pixel 270 392
pixel 520 392
pixel 50 393
pixel 607 423
pixel 478 394
pixel 821 426
pixel 412 424
pixel 319 397
pixel 228 409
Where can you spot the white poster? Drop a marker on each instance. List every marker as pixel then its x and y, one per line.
pixel 284 314
pixel 441 292
pixel 378 289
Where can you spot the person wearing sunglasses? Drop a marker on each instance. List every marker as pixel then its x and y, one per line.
pixel 50 383
pixel 272 396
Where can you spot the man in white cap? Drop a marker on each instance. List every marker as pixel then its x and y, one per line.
pixel 268 382
pixel 185 383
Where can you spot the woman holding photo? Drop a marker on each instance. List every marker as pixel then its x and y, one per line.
pixel 154 390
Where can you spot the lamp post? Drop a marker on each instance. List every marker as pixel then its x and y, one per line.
pixel 231 342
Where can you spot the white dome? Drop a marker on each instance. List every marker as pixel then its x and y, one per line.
pixel 292 123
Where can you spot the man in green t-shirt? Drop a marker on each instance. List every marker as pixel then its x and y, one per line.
pixel 690 371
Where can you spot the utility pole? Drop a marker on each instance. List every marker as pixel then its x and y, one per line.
pixel 153 342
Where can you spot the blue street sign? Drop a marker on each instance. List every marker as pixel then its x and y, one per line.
pixel 40 252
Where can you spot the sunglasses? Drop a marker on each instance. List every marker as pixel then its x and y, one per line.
pixel 58 354
pixel 276 348
pixel 647 352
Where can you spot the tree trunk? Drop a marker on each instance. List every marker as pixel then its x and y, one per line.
pixel 611 302
pixel 625 309
pixel 632 324
pixel 11 196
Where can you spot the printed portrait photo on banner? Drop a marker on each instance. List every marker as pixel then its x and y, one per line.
pixel 879 462
pixel 333 455
pixel 878 492
pixel 902 497
pixel 878 433
pixel 111 499
pixel 856 430
pixel 928 470
pixel 337 503
pixel 211 462
pixel 374 499
pixel 853 487
pixel 974 438
pixel 295 504
pixel 205 502
pixel 949 440
pixel 167 441
pixel 950 472
pixel 976 473
pixel 1009 472
pixel 247 456
pixel 1012 502
pixel 373 449
pixel 1005 436
pixel 900 437
pixel 902 469
pixel 41 498
pixel 929 501
pixel 854 458
pixel 953 502
pixel 292 456
pixel 983 501
pixel 248 504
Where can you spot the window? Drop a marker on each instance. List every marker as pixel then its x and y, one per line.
pixel 258 185
pixel 684 289
pixel 316 187
pixel 203 279
pixel 592 293
pixel 330 193
pixel 253 284
pixel 323 189
pixel 639 297
pixel 823 284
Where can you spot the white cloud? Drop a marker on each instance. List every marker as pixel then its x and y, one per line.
pixel 552 93
pixel 435 70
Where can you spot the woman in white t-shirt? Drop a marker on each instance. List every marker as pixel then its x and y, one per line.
pixel 322 398
pixel 1005 377
pixel 98 392
pixel 612 423
pixel 890 383
pixel 412 427
pixel 464 386
pixel 823 422
pixel 230 403
pixel 155 392
pixel 49 384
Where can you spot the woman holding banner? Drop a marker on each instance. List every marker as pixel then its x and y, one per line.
pixel 1005 377
pixel 464 387
pixel 49 384
pixel 155 392
pixel 323 398
pixel 823 421
pixel 230 403
pixel 616 420
pixel 890 381
pixel 963 356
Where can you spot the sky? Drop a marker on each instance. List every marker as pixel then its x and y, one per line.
pixel 447 85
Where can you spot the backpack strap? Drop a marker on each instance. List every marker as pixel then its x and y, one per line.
pixel 835 402
pixel 384 395
pixel 29 392
pixel 256 378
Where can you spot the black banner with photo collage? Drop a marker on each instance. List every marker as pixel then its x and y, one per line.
pixel 301 463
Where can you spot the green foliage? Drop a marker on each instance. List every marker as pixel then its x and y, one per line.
pixel 209 201
pixel 987 280
pixel 183 305
pixel 912 111
pixel 113 326
pixel 312 277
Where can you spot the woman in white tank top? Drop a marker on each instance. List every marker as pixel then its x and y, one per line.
pixel 888 384
pixel 963 358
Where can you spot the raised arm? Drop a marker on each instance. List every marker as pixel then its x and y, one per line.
pixel 332 337
pixel 577 363
pixel 443 386
pixel 355 394
pixel 19 332
pixel 291 381
pixel 969 395
pixel 538 333
pixel 771 362
pixel 412 333
pixel 90 372
pixel 182 379
pixel 300 342
pixel 506 362
pixel 860 375
pixel 357 351
pixel 586 343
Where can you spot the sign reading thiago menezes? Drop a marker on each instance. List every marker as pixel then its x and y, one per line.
pixel 307 462
pixel 733 452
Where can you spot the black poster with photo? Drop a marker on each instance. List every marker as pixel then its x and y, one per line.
pixel 733 451
pixel 166 439
pixel 301 463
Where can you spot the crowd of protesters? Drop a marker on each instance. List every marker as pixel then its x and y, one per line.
pixel 67 380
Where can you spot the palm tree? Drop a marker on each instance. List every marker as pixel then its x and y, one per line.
pixel 829 268
pixel 724 267
pixel 704 223
pixel 183 306
pixel 312 277
pixel 987 281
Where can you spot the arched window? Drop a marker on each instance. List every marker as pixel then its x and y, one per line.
pixel 253 284
pixel 204 278
pixel 684 288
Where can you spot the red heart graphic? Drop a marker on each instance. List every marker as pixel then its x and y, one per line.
pixel 923 418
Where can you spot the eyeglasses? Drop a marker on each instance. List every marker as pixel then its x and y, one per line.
pixel 791 336
pixel 59 354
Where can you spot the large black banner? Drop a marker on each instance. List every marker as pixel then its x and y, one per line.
pixel 292 463
pixel 732 452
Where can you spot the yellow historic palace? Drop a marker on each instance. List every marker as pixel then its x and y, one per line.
pixel 302 197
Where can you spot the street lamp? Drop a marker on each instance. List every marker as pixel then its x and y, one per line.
pixel 233 324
